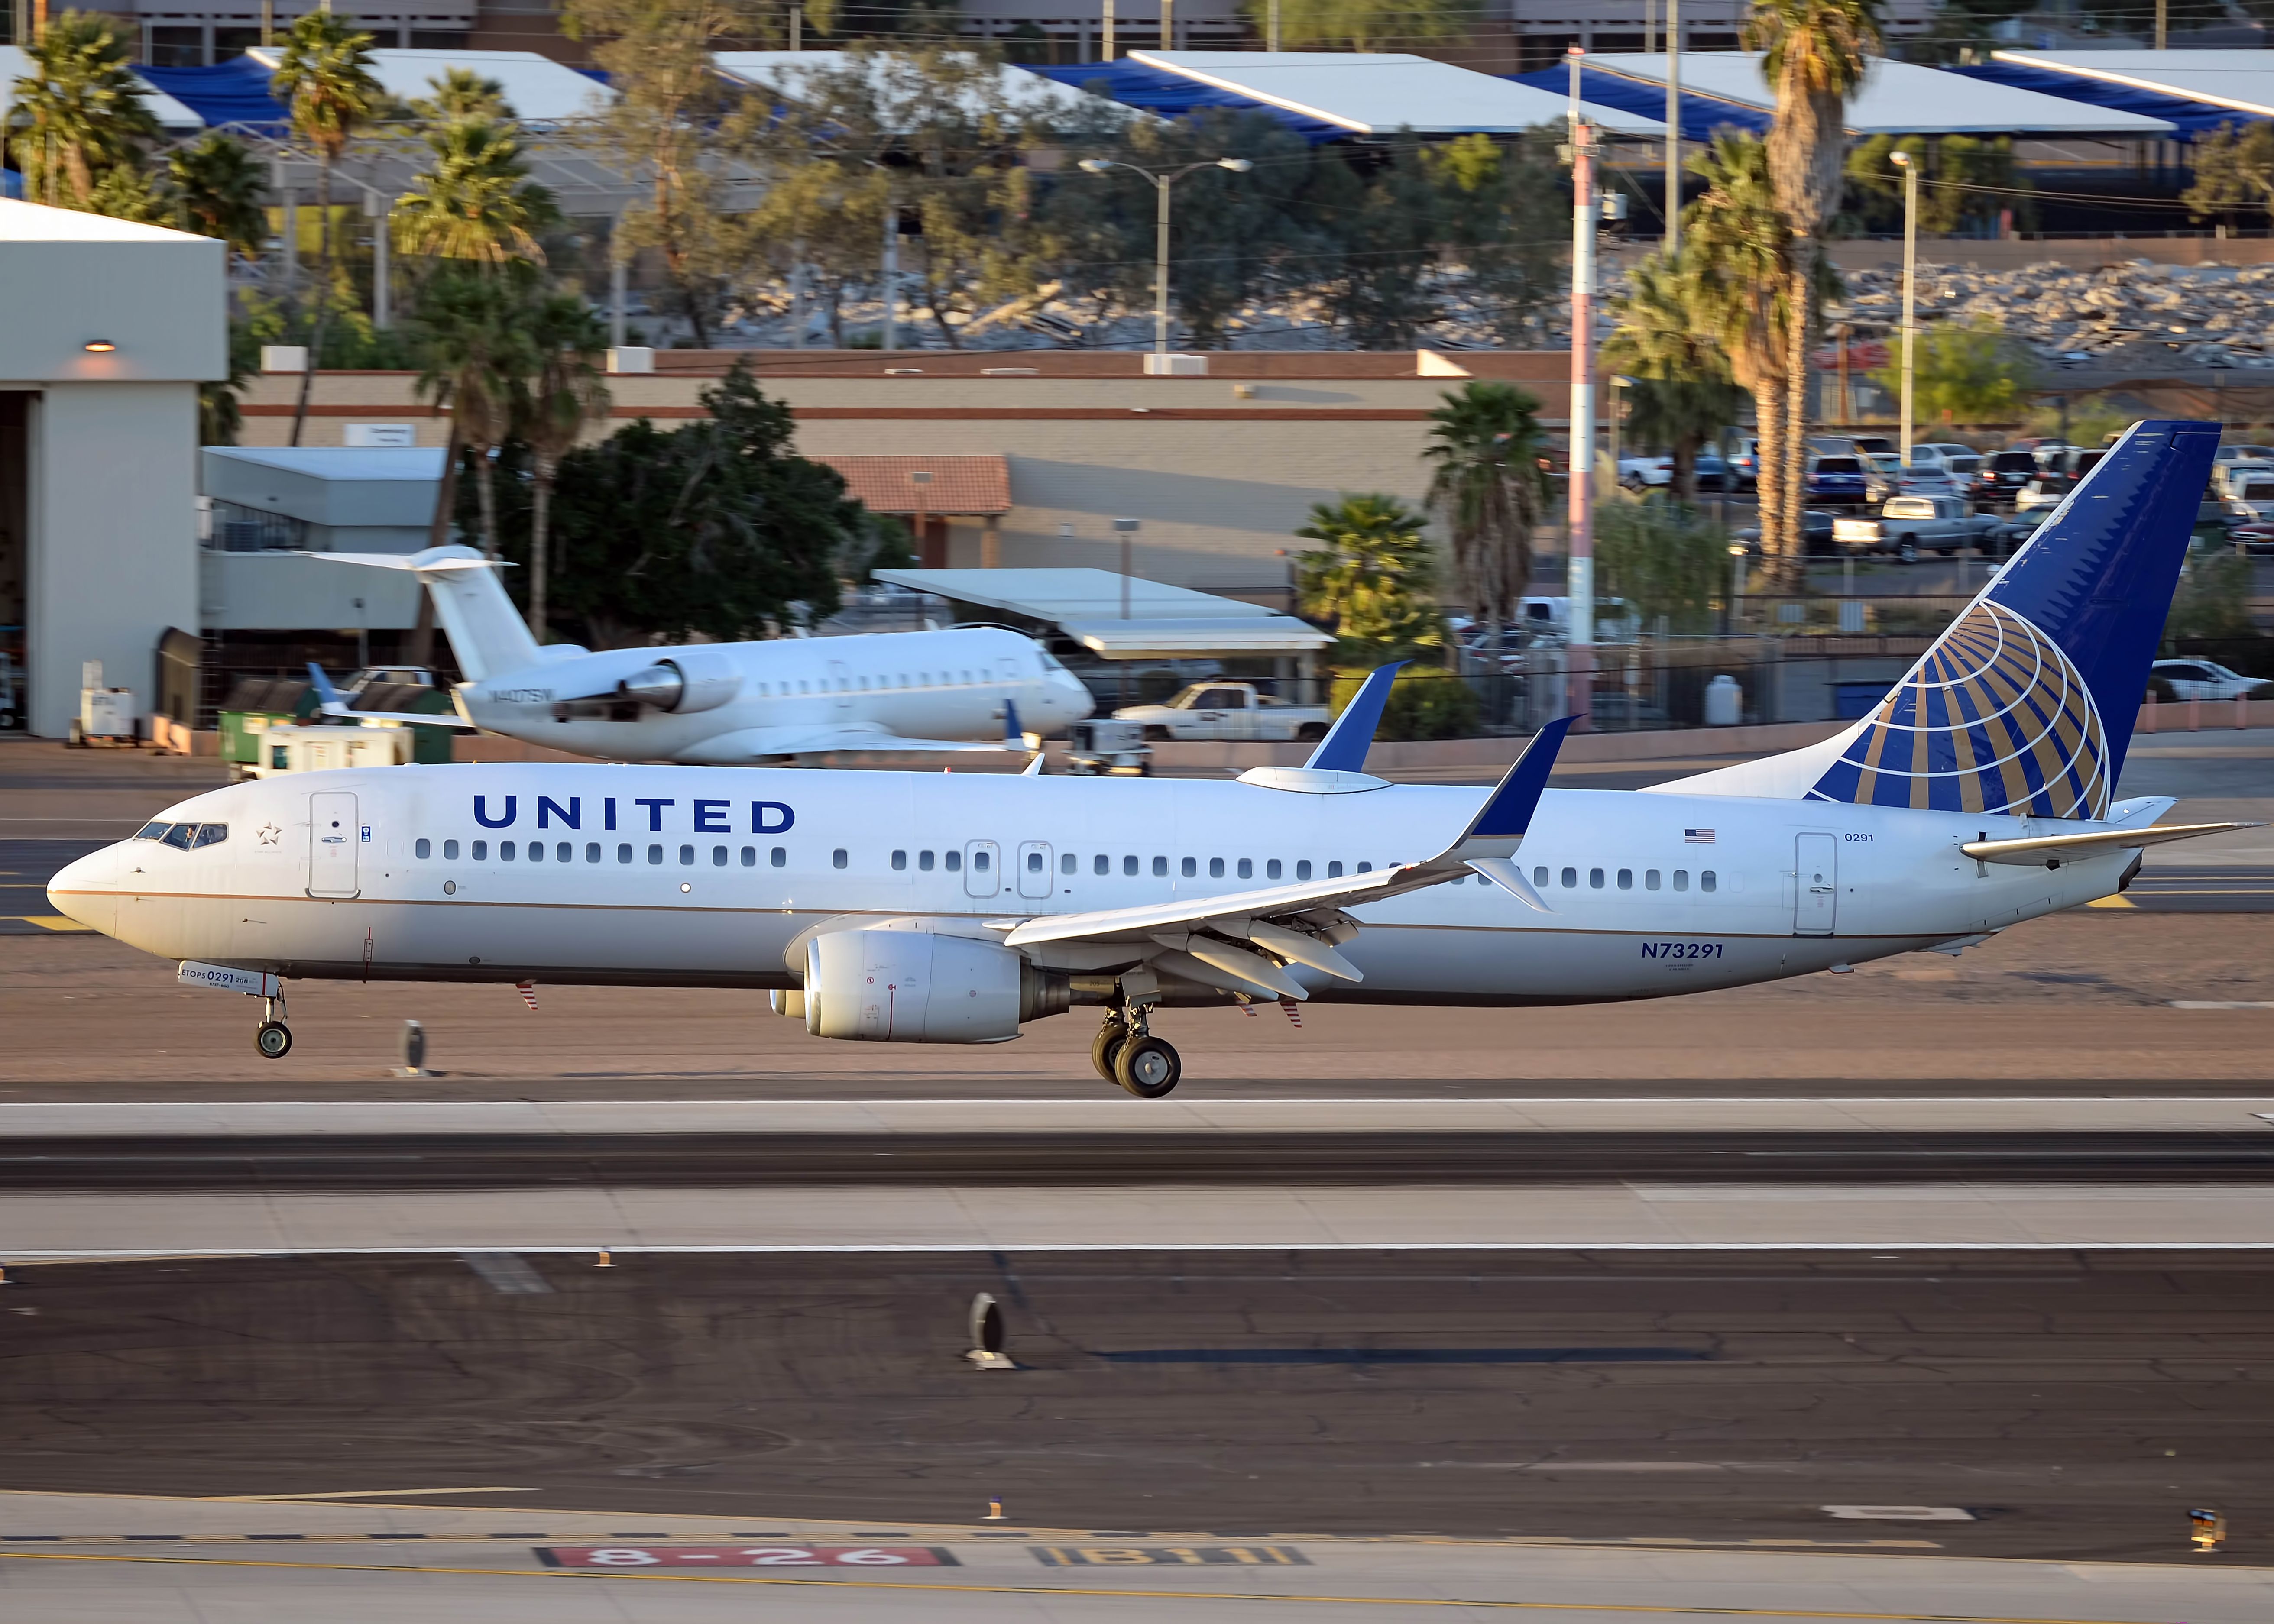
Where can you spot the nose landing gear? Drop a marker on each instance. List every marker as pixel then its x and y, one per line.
pixel 1127 1053
pixel 273 1040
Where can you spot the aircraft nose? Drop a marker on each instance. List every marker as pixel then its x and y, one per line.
pixel 83 890
pixel 1073 700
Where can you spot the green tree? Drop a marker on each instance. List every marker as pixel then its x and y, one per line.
pixel 1370 578
pixel 472 324
pixel 2213 599
pixel 821 222
pixel 79 113
pixel 1962 180
pixel 1369 24
pixel 1962 372
pixel 219 191
pixel 564 394
pixel 1666 561
pixel 474 200
pixel 1490 492
pixel 1683 392
pixel 460 93
pixel 1506 208
pixel 324 78
pixel 1814 55
pixel 2234 171
pixel 1376 236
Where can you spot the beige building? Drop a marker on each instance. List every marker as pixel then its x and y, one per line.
pixel 1218 471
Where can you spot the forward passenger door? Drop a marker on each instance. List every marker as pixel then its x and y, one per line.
pixel 332 835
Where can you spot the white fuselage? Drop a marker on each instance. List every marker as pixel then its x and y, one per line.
pixel 916 685
pixel 711 876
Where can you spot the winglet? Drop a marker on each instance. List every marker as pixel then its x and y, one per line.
pixel 332 703
pixel 1507 813
pixel 1013 738
pixel 1343 749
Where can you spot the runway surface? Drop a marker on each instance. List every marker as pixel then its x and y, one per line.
pixel 2055 1406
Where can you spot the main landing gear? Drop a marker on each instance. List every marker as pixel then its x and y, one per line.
pixel 1125 1052
pixel 274 1037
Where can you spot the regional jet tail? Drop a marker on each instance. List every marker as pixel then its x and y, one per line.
pixel 900 907
pixel 734 704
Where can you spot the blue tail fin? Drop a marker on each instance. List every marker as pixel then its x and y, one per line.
pixel 1343 749
pixel 2026 704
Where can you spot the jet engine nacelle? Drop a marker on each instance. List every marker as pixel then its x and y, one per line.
pixel 691 680
pixel 916 986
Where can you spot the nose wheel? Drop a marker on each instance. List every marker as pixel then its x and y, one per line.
pixel 273 1040
pixel 1128 1055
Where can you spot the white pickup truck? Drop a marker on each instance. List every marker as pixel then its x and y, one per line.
pixel 1229 711
pixel 1909 525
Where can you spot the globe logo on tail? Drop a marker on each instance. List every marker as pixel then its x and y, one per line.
pixel 1994 719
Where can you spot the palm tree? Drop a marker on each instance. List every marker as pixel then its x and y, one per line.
pixel 1682 392
pixel 1815 55
pixel 1370 576
pixel 1738 246
pixel 324 77
pixel 460 93
pixel 79 112
pixel 475 200
pixel 472 329
pixel 565 394
pixel 1490 491
pixel 219 192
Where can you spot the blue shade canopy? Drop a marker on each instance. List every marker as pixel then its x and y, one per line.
pixel 1701 115
pixel 235 91
pixel 1172 96
pixel 2192 117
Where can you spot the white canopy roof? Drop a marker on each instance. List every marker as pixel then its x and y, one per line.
pixel 1382 94
pixel 2241 79
pixel 1029 92
pixel 1267 634
pixel 1163 621
pixel 14 64
pixel 538 89
pixel 1902 98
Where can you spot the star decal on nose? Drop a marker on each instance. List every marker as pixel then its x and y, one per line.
pixel 268 833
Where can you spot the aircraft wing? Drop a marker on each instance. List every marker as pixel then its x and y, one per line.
pixel 2053 849
pixel 1250 936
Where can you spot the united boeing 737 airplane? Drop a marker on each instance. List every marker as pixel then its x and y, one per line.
pixel 923 909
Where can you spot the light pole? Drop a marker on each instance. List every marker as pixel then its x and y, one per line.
pixel 1673 128
pixel 1161 185
pixel 1579 564
pixel 1903 161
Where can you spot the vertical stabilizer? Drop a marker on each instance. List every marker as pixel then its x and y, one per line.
pixel 486 632
pixel 2025 705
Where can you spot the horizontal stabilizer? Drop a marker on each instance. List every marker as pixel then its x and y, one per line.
pixel 333 704
pixel 2053 849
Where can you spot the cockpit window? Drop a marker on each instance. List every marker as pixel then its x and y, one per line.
pixel 153 832
pixel 180 835
pixel 212 834
pixel 184 836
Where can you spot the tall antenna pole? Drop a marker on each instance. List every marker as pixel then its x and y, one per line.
pixel 1673 128
pixel 1580 570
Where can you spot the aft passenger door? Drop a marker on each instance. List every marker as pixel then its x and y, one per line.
pixel 1816 896
pixel 981 860
pixel 332 835
pixel 841 683
pixel 1034 868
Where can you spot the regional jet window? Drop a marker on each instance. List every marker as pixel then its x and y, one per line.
pixel 564 852
pixel 749 857
pixel 1334 871
pixel 1160 868
pixel 1595 879
pixel 1270 869
pixel 1069 864
pixel 210 834
pixel 1682 879
pixel 1189 868
pixel 1650 879
pixel 1302 867
pixel 424 849
pixel 780 857
pixel 504 851
pixel 953 861
pixel 624 851
pixel 1626 879
pixel 449 851
pixel 1571 879
pixel 837 858
pixel 655 856
pixel 686 857
pixel 1101 864
pixel 1247 868
pixel 1215 868
pixel 1705 880
pixel 1365 868
pixel 924 862
pixel 718 856
pixel 900 860
pixel 481 851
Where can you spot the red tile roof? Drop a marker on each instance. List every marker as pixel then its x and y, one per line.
pixel 959 484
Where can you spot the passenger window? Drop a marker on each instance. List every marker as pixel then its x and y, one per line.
pixel 1595 879
pixel 449 851
pixel 624 851
pixel 1215 868
pixel 1034 862
pixel 536 851
pixel 1334 871
pixel 1129 865
pixel 778 857
pixel 1068 863
pixel 1705 880
pixel 564 852
pixel 424 849
pixel 686 857
pixel 1540 878
pixel 953 861
pixel 1650 879
pixel 1247 868
pixel 1571 879
pixel 655 856
pixel 1101 864
pixel 504 851
pixel 900 860
pixel 1626 879
pixel 1302 867
pixel 1270 869
pixel 980 862
pixel 592 852
pixel 481 851
pixel 924 862
pixel 1160 868
pixel 718 856
pixel 837 859
pixel 749 857
pixel 1188 868
pixel 1682 879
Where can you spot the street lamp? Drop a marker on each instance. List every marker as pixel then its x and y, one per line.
pixel 1161 185
pixel 1733 612
pixel 1903 161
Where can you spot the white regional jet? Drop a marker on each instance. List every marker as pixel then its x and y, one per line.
pixel 923 909
pixel 730 702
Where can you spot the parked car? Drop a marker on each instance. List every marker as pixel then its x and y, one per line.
pixel 1842 480
pixel 2244 454
pixel 1228 711
pixel 1928 479
pixel 1961 462
pixel 1643 473
pixel 1745 463
pixel 2002 475
pixel 2020 528
pixel 1909 525
pixel 2249 491
pixel 2201 678
pixel 2042 494
pixel 1713 473
pixel 2258 537
pixel 1874 445
pixel 1815 534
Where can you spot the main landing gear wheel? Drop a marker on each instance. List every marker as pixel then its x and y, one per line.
pixel 1146 1067
pixel 1105 1047
pixel 274 1039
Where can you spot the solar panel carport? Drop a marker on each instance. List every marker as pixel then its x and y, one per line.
pixel 2194 90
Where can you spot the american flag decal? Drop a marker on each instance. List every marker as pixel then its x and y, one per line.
pixel 1697 837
